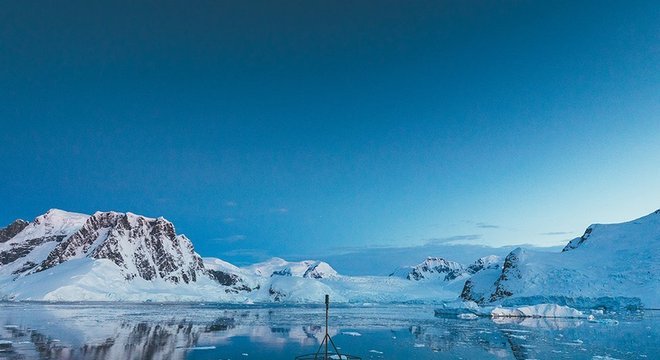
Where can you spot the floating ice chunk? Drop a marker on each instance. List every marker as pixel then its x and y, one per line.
pixel 351 333
pixel 375 351
pixel 541 310
pixel 454 308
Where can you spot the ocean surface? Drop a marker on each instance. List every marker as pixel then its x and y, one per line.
pixel 219 331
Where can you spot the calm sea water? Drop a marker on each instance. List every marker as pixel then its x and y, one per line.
pixel 211 331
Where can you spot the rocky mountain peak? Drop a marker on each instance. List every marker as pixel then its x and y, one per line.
pixel 44 231
pixel 436 267
pixel 12 230
pixel 142 247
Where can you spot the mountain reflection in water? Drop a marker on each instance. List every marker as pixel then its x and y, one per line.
pixel 185 331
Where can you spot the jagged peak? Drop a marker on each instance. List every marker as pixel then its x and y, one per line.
pixel 488 259
pixel 132 220
pixel 18 222
pixel 139 246
pixel 304 268
pixel 441 261
pixel 12 230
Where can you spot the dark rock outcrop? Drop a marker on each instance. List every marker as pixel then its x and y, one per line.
pixel 12 230
pixel 509 270
pixel 575 243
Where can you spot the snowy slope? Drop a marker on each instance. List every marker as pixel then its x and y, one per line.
pixel 613 261
pixel 32 244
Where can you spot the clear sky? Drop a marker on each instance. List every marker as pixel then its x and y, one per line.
pixel 303 128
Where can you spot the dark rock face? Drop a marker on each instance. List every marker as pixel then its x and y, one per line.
pixel 575 243
pixel 509 270
pixel 24 237
pixel 79 242
pixel 27 266
pixel 224 278
pixel 19 250
pixel 283 272
pixel 276 294
pixel 233 282
pixel 313 273
pixel 145 248
pixel 12 230
pixel 467 294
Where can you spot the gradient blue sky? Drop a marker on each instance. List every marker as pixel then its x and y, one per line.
pixel 303 128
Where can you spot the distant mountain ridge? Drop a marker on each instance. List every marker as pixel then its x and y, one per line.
pixel 446 270
pixel 130 249
pixel 111 256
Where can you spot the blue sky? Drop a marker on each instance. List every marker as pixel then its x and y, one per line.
pixel 306 129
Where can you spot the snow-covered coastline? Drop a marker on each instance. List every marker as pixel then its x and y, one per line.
pixel 109 256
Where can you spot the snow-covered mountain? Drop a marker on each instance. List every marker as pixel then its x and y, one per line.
pixel 139 246
pixel 29 244
pixel 609 263
pixel 106 256
pixel 111 256
pixel 439 269
pixel 305 269
pixel 432 268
